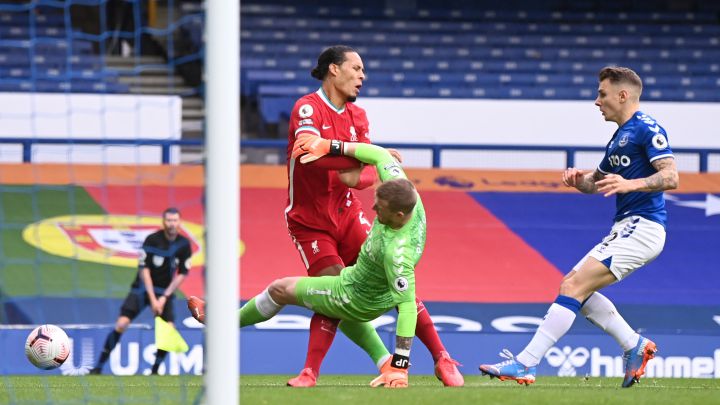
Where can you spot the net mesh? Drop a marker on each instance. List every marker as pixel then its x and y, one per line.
pixel 99 129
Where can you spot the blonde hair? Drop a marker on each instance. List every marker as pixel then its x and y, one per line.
pixel 399 193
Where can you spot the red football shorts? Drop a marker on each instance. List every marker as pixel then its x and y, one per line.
pixel 322 248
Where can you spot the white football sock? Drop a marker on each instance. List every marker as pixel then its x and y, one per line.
pixel 382 360
pixel 557 322
pixel 601 311
pixel 265 304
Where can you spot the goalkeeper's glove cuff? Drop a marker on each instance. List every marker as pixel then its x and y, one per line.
pixel 400 361
pixel 337 147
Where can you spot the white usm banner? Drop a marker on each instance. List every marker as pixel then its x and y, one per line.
pixel 526 122
pixel 72 116
pixel 281 351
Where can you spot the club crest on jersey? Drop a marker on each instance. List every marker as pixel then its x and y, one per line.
pixel 353 135
pixel 659 141
pixel 305 111
pixel 401 284
pixel 624 140
pixel 393 169
pixel 158 261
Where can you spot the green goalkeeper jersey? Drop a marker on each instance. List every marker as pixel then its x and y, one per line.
pixel 384 274
pixel 383 277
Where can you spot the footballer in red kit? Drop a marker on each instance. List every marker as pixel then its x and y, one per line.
pixel 325 219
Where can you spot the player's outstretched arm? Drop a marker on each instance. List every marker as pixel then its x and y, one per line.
pixel 395 374
pixel 358 178
pixel 312 147
pixel 337 163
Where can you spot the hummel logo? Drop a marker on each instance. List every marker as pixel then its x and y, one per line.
pixel 326 126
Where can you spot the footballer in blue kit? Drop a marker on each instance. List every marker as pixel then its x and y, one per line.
pixel 630 153
pixel 637 168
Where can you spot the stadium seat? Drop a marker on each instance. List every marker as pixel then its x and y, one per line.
pixel 467 51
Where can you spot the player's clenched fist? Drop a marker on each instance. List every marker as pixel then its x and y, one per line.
pixel 572 177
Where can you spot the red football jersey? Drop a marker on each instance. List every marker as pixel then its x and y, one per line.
pixel 316 196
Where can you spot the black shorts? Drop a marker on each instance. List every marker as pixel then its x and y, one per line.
pixel 136 302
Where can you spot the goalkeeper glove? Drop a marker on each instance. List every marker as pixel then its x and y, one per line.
pixel 393 374
pixel 313 147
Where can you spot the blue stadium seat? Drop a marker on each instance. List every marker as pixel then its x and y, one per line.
pixel 468 51
pixel 23 32
pixel 12 85
pixel 273 108
pixel 54 86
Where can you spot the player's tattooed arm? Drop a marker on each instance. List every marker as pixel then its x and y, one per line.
pixel 587 185
pixel 666 178
pixel 403 343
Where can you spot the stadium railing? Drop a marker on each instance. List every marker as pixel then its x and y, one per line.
pixel 281 146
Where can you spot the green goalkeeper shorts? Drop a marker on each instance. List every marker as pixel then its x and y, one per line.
pixel 328 296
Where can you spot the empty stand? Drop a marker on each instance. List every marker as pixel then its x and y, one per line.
pixel 38 53
pixel 531 50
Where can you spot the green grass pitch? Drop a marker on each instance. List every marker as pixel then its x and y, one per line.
pixel 345 390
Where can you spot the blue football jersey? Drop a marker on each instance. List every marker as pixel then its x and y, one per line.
pixel 630 153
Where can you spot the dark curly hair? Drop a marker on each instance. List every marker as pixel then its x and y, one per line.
pixel 332 55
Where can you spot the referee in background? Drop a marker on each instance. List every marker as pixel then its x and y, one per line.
pixel 164 262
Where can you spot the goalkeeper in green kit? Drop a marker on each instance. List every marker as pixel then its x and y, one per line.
pixel 383 277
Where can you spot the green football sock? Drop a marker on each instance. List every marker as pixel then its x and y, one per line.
pixel 249 314
pixel 260 308
pixel 364 335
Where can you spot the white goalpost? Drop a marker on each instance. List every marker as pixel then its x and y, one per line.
pixel 222 159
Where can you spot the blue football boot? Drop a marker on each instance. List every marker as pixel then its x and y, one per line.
pixel 636 359
pixel 510 369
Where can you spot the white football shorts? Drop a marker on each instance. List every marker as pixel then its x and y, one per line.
pixel 632 243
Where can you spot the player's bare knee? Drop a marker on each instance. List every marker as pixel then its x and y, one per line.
pixel 570 288
pixel 121 325
pixel 278 290
pixel 275 288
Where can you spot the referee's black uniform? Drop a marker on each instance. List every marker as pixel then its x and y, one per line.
pixel 163 258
